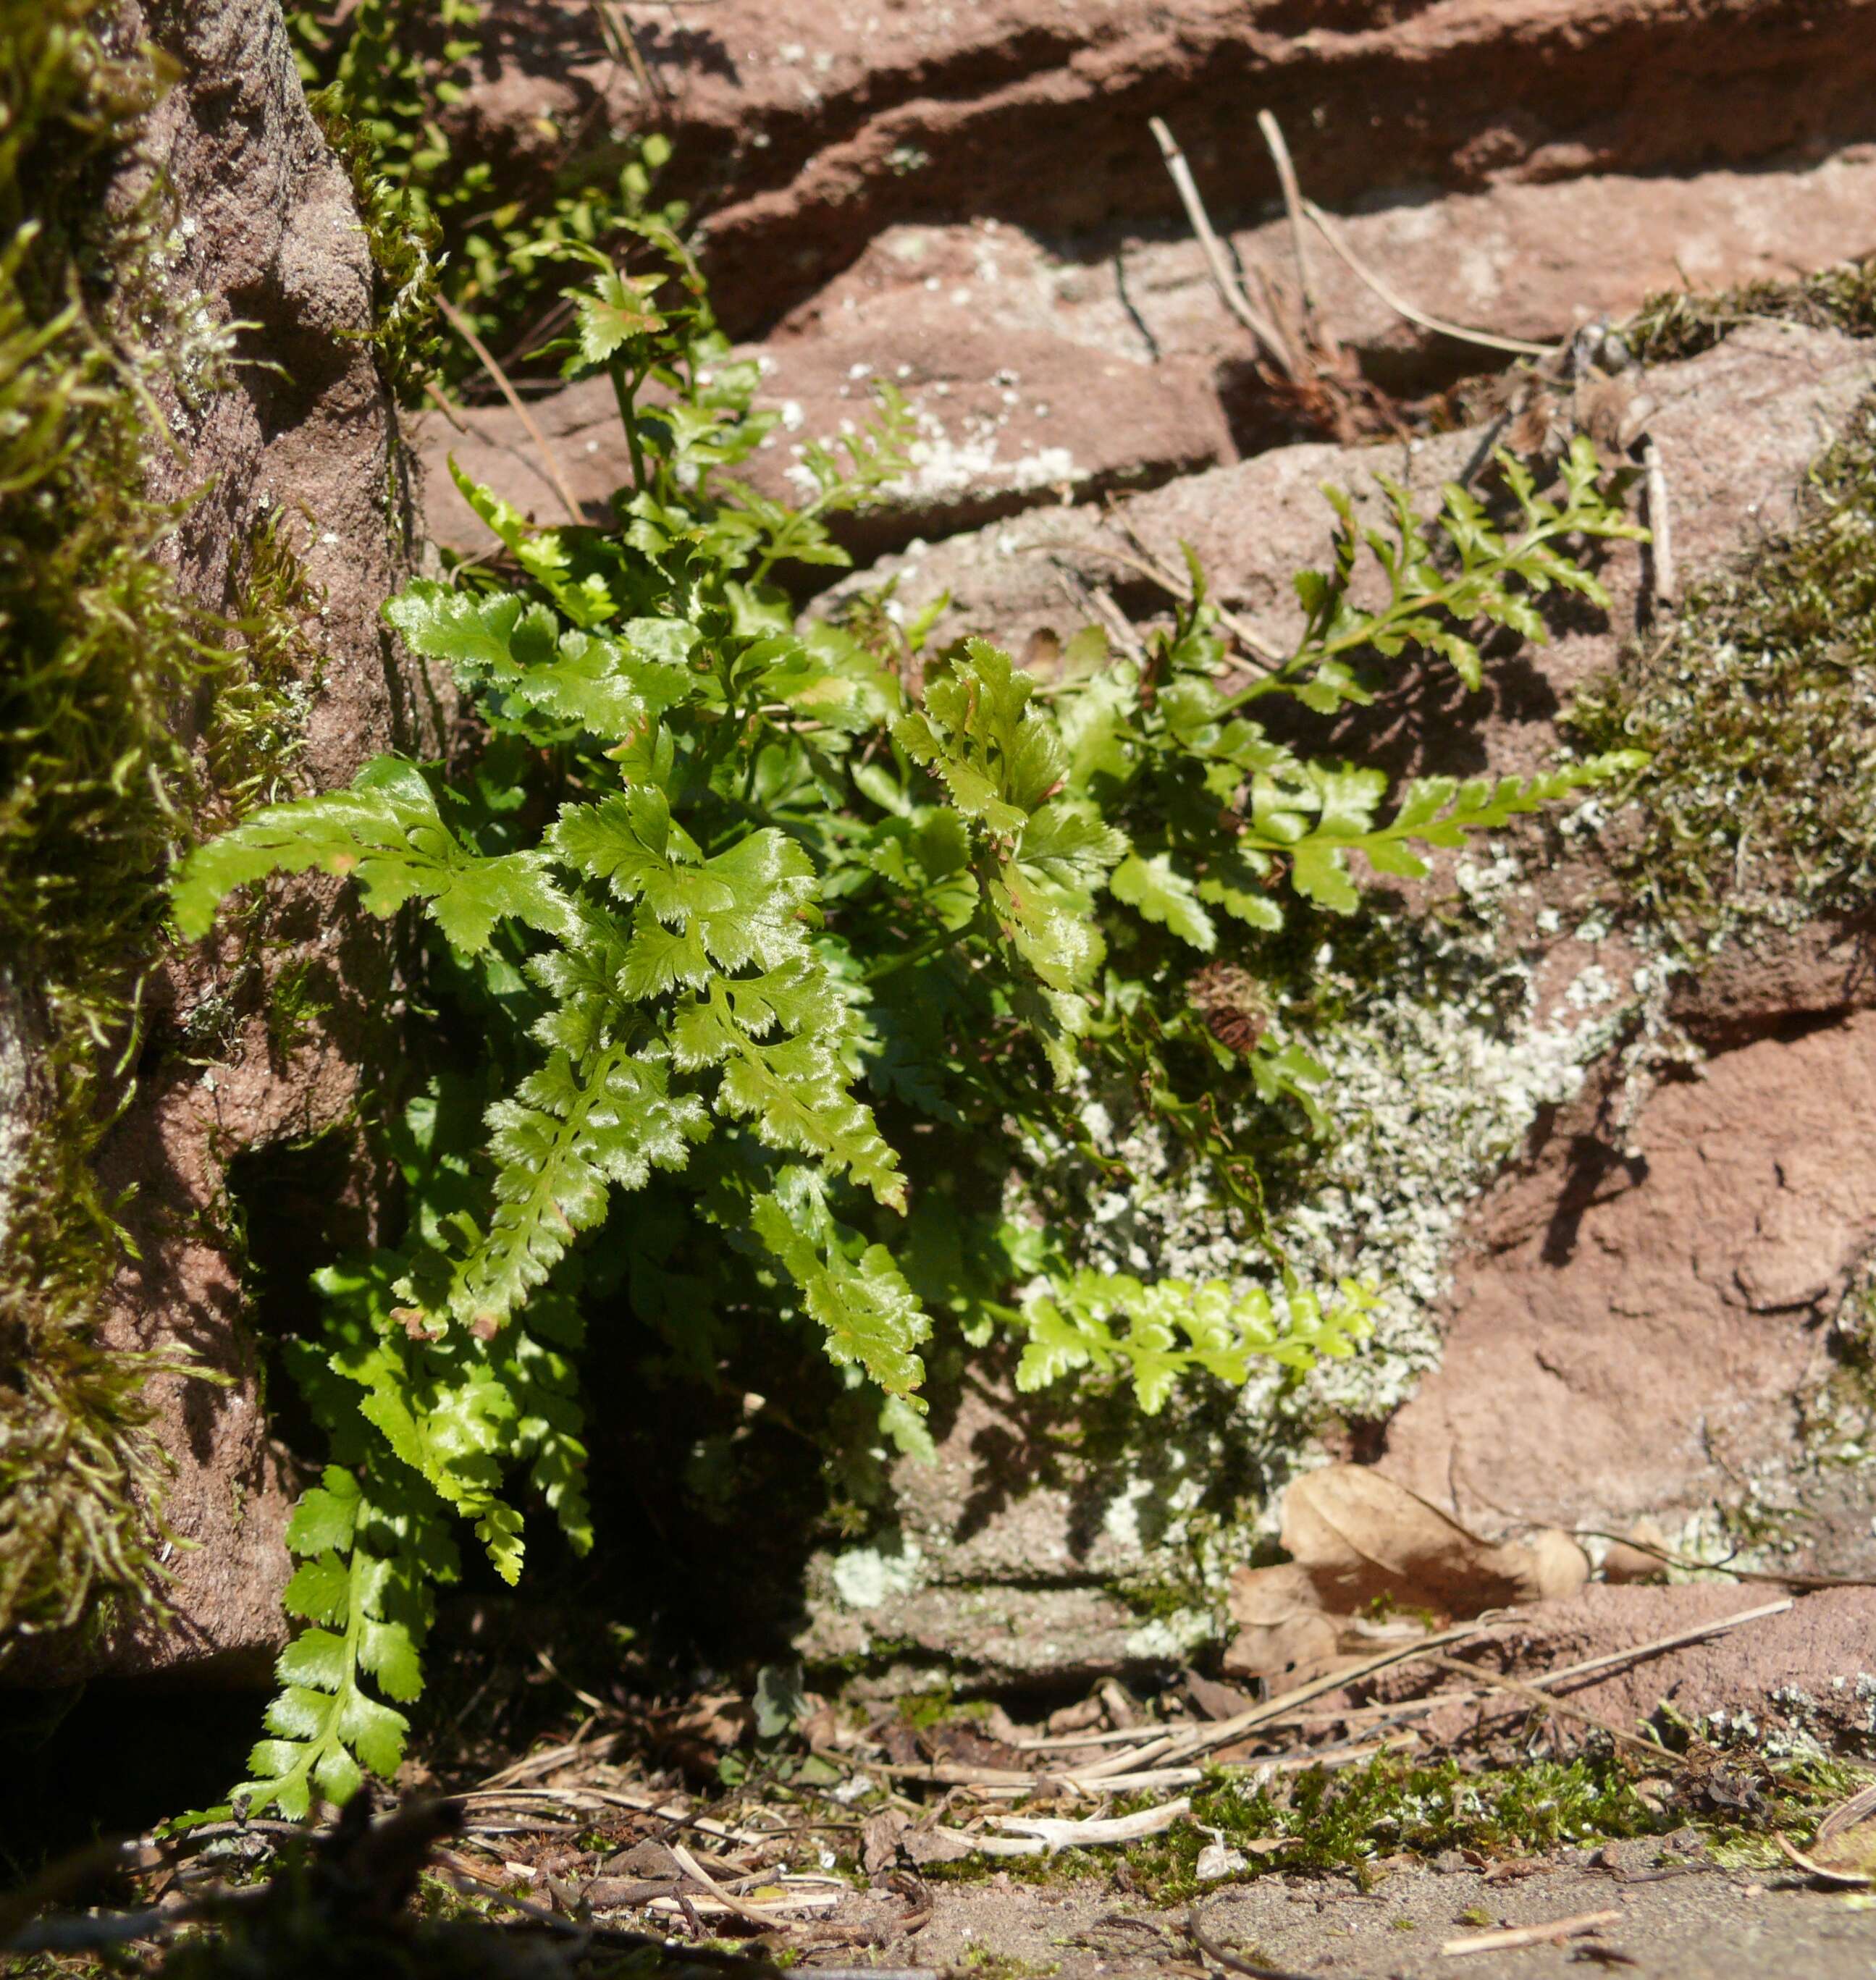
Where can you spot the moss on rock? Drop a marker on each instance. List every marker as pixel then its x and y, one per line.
pixel 1757 709
pixel 107 669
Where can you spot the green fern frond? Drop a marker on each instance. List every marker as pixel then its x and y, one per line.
pixel 1154 1333
pixel 386 833
pixel 781 972
pixel 362 1592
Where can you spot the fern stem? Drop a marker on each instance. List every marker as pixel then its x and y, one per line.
pixel 626 391
pixel 1313 654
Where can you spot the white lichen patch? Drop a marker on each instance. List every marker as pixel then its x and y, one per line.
pixel 1173 1639
pixel 16 1122
pixel 866 1577
pixel 1432 1081
pixel 948 466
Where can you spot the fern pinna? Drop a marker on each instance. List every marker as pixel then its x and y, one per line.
pixel 736 913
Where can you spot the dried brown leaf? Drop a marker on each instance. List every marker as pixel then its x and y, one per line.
pixel 1359 1539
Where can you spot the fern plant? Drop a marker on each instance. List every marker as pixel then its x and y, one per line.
pixel 742 922
pixel 385 77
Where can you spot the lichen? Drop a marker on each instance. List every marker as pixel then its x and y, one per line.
pixel 1438 1061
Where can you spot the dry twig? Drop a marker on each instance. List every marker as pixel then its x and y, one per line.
pixel 1808 1584
pixel 486 359
pixel 1230 290
pixel 1535 1695
pixel 1234 1962
pixel 1506 1937
pixel 1661 540
pixel 1488 339
pixel 1292 205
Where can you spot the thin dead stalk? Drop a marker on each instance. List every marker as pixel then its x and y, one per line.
pixel 1660 539
pixel 1507 1937
pixel 1293 206
pixel 1230 290
pixel 1233 1962
pixel 1486 339
pixel 448 411
pixel 753 1913
pixel 486 359
pixel 1810 1584
pixel 1636 1652
pixel 1535 1695
pixel 1150 567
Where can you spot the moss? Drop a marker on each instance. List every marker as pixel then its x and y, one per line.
pixel 403 240
pixel 1757 708
pixel 105 667
pixel 1350 1819
pixel 98 648
pixel 383 74
pixel 1681 323
pixel 257 727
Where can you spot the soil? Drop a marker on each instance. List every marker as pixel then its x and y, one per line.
pixel 1681 1920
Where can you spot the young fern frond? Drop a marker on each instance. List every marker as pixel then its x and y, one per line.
pixel 1436 595
pixel 1173 1326
pixel 735 919
pixel 361 1592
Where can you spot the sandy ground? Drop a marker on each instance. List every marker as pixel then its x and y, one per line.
pixel 1687 1922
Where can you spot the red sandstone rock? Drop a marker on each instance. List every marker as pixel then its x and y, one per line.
pixel 1524 260
pixel 1003 422
pixel 1627 1334
pixel 1737 426
pixel 808 128
pixel 268 237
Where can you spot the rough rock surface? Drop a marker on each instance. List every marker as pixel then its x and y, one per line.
pixel 1042 374
pixel 1738 426
pixel 968 200
pixel 1521 260
pixel 267 237
pixel 1631 1333
pixel 1003 419
pixel 808 128
pixel 1809 1669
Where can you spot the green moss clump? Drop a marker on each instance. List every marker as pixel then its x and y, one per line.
pixel 96 649
pixel 107 669
pixel 1681 323
pixel 384 75
pixel 1757 707
pixel 1348 1818
pixel 403 239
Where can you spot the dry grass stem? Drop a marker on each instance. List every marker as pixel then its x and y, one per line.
pixel 1224 278
pixel 1293 206
pixel 1488 339
pixel 1660 540
pixel 1507 1937
pixel 486 359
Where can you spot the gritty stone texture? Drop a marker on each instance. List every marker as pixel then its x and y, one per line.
pixel 1631 1331
pixel 1046 372
pixel 1809 1674
pixel 1698 1922
pixel 1738 426
pixel 1521 260
pixel 1003 422
pixel 807 129
pixel 268 254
